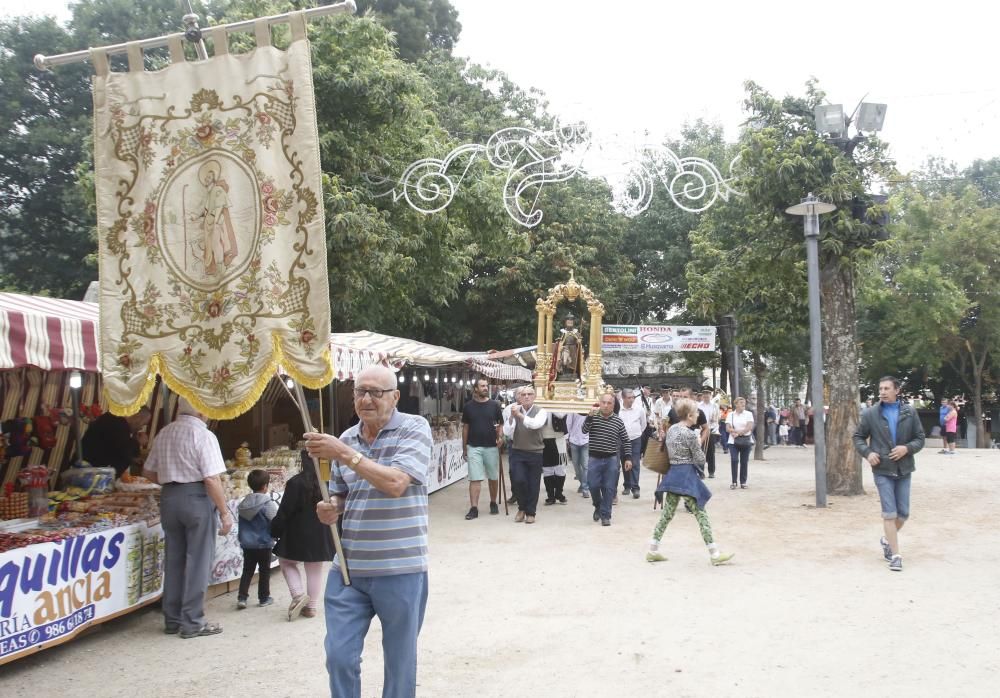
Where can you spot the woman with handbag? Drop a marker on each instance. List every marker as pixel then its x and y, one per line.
pixel 682 482
pixel 739 423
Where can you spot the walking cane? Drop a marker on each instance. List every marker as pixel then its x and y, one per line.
pixel 503 488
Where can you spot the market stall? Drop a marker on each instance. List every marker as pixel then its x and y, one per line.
pixel 77 546
pixel 434 381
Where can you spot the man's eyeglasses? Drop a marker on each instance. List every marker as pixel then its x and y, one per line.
pixel 375 393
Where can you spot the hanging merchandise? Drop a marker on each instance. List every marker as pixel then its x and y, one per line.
pixel 210 224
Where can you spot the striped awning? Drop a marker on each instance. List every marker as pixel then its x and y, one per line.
pixel 50 333
pixel 56 334
pixel 352 351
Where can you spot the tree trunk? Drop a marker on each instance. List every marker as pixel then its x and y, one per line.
pixel 760 418
pixel 976 364
pixel 840 359
pixel 723 365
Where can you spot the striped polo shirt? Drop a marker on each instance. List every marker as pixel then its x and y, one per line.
pixel 386 535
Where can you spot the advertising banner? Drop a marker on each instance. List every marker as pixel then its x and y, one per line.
pixel 653 338
pixel 447 464
pixel 49 592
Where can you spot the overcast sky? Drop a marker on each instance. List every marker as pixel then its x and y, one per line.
pixel 628 68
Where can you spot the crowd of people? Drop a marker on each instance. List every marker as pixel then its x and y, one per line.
pixel 378 498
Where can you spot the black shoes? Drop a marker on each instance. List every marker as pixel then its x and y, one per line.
pixel 512 500
pixel 605 522
pixel 635 494
pixel 473 514
pixel 549 501
pixel 494 509
pixel 597 514
pixel 561 498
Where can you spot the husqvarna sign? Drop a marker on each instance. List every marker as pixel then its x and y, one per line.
pixel 647 338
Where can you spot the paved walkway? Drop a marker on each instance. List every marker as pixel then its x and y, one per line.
pixel 568 608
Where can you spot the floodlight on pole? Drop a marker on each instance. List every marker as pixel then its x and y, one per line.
pixel 870 117
pixel 830 119
pixel 810 209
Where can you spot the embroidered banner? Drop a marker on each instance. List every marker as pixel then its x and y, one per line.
pixel 212 243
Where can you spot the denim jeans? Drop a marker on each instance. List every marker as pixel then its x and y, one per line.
pixel 631 477
pixel 602 475
pixel 739 455
pixel 894 495
pixel 578 454
pixel 399 601
pixel 526 478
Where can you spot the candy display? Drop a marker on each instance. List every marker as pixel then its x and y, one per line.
pixel 280 463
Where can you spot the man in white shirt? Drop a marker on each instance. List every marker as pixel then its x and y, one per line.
pixel 524 427
pixel 186 461
pixel 661 409
pixel 634 417
pixel 711 412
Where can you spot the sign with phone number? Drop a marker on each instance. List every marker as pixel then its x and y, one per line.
pixel 49 592
pixel 657 338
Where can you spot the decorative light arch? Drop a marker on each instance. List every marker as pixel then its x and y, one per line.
pixel 531 159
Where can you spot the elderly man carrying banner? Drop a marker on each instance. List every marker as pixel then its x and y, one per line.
pixel 379 483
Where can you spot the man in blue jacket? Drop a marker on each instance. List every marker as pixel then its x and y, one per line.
pixel 888 435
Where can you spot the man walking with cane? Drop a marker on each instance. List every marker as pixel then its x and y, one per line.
pixel 524 427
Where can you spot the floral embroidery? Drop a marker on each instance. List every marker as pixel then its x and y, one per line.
pixel 211 230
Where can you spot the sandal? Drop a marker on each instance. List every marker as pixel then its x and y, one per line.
pixel 206 629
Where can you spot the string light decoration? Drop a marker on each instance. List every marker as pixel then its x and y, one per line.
pixel 532 159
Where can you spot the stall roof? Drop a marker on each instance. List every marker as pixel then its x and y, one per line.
pixel 352 351
pixel 57 334
pixel 50 333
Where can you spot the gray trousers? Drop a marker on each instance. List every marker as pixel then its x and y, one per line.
pixel 189 528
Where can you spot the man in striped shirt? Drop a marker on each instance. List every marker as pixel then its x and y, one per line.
pixel 607 438
pixel 379 483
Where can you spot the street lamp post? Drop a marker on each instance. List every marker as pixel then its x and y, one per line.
pixel 810 209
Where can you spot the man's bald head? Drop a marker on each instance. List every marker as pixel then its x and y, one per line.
pixel 377 376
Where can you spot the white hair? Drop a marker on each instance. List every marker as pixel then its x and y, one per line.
pixel 185 407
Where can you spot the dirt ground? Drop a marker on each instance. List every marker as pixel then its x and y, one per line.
pixel 568 608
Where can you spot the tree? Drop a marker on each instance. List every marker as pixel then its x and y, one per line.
pixel 418 26
pixel 936 304
pixel 657 239
pixel 45 224
pixel 782 158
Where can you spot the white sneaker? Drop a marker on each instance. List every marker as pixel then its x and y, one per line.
pixel 896 564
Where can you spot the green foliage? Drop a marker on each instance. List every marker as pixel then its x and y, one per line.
pixel 933 303
pixel 44 222
pixel 418 26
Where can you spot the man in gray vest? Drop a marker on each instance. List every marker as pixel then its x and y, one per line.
pixel 524 427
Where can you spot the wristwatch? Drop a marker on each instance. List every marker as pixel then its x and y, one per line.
pixel 355 460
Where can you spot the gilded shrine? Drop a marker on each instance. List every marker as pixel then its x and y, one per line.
pixel 564 380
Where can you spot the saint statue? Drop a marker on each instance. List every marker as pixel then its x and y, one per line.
pixel 570 349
